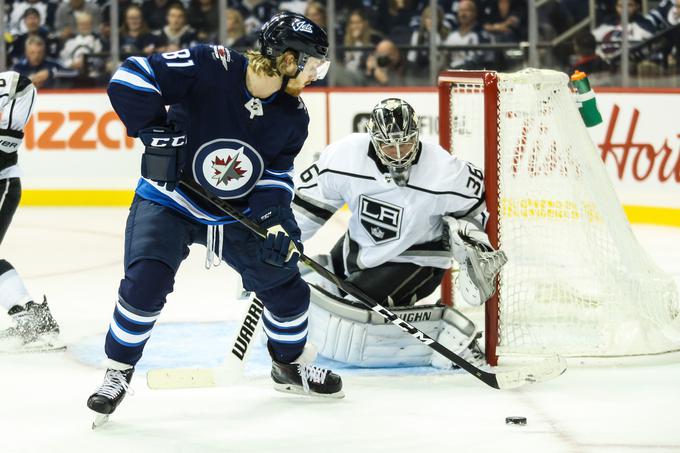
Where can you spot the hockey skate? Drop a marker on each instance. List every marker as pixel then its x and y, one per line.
pixel 110 394
pixel 35 329
pixel 302 378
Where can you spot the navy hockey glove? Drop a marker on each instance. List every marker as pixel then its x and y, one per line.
pixel 279 248
pixel 164 155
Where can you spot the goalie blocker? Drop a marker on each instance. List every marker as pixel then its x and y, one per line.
pixel 361 337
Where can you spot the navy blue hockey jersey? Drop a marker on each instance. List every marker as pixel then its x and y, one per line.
pixel 240 148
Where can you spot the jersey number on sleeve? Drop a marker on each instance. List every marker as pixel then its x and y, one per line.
pixel 309 174
pixel 183 54
pixel 475 180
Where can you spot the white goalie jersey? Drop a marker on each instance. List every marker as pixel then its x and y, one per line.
pixel 388 222
pixel 17 96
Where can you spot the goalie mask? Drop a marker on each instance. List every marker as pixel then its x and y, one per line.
pixel 393 127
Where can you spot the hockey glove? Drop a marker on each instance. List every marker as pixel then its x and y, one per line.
pixel 479 262
pixel 163 157
pixel 279 248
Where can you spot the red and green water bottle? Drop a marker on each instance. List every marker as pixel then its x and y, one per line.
pixel 586 99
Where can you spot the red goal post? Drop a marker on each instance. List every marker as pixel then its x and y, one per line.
pixel 486 83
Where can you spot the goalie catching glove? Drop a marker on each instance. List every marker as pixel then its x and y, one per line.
pixel 479 262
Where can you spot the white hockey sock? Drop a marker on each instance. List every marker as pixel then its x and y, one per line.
pixel 12 290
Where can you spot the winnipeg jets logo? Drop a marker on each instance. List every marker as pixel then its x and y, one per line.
pixel 381 220
pixel 229 168
pixel 300 25
pixel 222 54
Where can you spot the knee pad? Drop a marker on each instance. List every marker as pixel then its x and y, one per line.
pixel 146 284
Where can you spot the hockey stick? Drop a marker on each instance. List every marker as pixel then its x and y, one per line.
pixel 229 372
pixel 548 369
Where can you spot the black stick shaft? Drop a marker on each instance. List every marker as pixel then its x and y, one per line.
pixel 484 376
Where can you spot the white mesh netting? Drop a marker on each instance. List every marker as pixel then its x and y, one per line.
pixel 577 281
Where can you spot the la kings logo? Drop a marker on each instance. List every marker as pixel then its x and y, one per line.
pixel 381 220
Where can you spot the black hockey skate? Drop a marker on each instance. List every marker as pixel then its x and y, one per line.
pixel 35 328
pixel 303 378
pixel 109 395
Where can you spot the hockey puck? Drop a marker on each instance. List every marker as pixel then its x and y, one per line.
pixel 515 420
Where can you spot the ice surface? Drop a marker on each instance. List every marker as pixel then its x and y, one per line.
pixel 75 257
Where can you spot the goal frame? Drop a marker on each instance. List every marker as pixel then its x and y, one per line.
pixel 488 81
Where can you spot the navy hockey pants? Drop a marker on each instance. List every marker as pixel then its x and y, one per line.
pixel 157 240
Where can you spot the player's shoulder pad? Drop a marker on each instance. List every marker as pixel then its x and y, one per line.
pixel 349 151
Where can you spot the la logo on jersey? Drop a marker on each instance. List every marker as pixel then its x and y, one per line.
pixel 381 220
pixel 229 168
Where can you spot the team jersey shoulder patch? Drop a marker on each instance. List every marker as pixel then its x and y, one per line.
pixel 221 54
pixel 227 167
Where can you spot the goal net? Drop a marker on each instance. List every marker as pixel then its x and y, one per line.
pixel 577 282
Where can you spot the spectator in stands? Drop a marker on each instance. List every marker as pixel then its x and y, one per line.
pixel 584 58
pixel 316 12
pixel 204 18
pixel 449 9
pixel 16 24
pixel 468 33
pixel 608 35
pixel 135 36
pixel 105 7
pixel 505 21
pixel 85 42
pixel 236 30
pixel 256 12
pixel 393 21
pixel 155 12
pixel 31 23
pixel 385 66
pixel 419 60
pixel 666 14
pixel 43 72
pixel 358 33
pixel 176 34
pixel 65 20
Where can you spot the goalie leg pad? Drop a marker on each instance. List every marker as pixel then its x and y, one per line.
pixel 361 337
pixel 460 335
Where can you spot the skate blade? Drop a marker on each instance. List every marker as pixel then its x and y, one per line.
pixel 16 346
pixel 44 343
pixel 295 390
pixel 100 420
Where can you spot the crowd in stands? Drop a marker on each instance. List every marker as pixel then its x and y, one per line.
pixel 66 43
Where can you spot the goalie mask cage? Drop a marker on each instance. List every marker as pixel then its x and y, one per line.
pixel 577 282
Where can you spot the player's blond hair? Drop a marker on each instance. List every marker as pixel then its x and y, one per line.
pixel 263 65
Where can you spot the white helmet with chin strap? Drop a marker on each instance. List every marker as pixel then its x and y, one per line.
pixel 393 127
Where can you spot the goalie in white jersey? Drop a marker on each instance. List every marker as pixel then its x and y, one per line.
pixel 33 328
pixel 414 206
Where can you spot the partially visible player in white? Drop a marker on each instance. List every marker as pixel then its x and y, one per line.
pixel 33 328
pixel 414 207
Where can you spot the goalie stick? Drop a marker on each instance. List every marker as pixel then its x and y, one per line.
pixel 530 374
pixel 229 372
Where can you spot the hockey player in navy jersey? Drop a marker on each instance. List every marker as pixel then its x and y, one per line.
pixel 414 207
pixel 33 327
pixel 234 126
